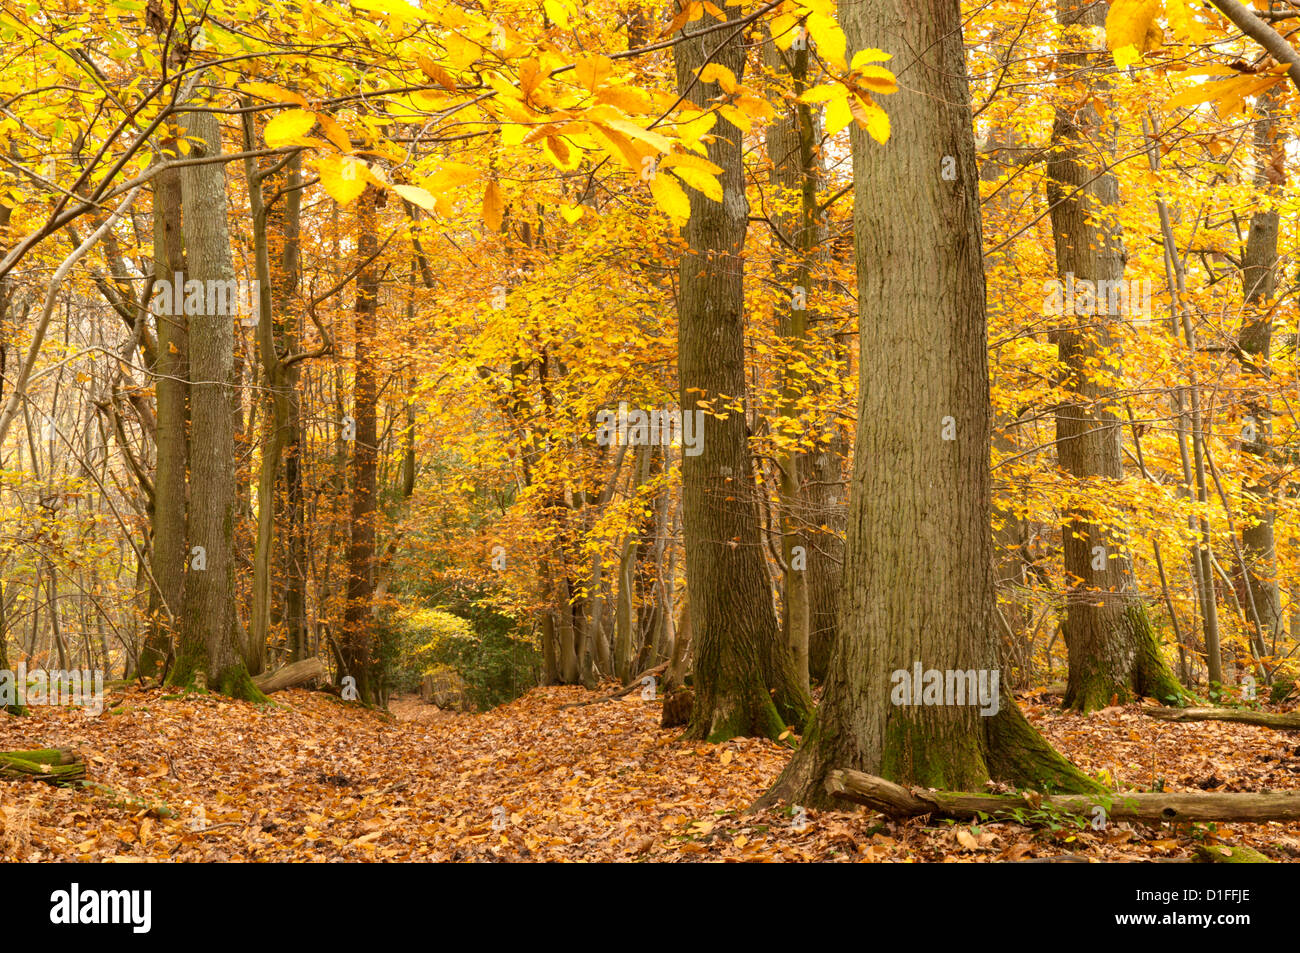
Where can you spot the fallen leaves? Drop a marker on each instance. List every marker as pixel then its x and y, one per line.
pixel 311 779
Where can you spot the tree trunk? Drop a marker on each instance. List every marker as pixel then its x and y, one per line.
pixel 745 683
pixel 1259 291
pixel 360 653
pixel 171 433
pixel 1113 649
pixel 918 580
pixel 209 640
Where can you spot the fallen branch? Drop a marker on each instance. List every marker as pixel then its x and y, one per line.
pixel 289 675
pixel 635 684
pixel 898 801
pixel 1289 721
pixel 53 765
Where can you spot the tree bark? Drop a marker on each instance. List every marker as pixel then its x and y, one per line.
pixel 171 433
pixel 918 580
pixel 360 654
pixel 209 640
pixel 1113 649
pixel 289 675
pixel 745 683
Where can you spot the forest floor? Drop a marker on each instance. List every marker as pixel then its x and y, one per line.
pixel 314 779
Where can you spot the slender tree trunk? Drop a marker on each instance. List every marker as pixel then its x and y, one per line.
pixel 1259 287
pixel 360 653
pixel 172 430
pixel 1113 649
pixel 918 580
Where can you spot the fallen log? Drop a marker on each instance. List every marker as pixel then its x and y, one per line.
pixel 898 801
pixel 289 675
pixel 53 765
pixel 1287 721
pixel 635 685
pixel 1222 854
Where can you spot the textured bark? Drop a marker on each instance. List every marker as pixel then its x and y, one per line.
pixel 295 549
pixel 359 651
pixel 790 149
pixel 209 640
pixel 1259 287
pixel 1113 650
pixel 275 413
pixel 918 581
pixel 745 683
pixel 171 434
pixel 290 675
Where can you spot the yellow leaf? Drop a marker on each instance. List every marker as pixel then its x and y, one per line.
pixel 559 154
pixel 436 73
pixel 717 73
pixel 700 181
pixel 822 93
pixel 785 30
pixel 398 9
pixel 726 757
pixel 1133 23
pixel 1224 91
pixel 286 128
pixel 626 98
pixel 450 175
pixel 417 196
pixel 334 132
pixel 870 117
pixel 557 12
pixel 831 44
pixel 838 115
pixel 276 94
pixel 675 159
pixel 877 79
pixel 344 177
pixel 592 70
pixel 1183 21
pixel 649 136
pixel 873 55
pixel 670 198
pixel 493 207
pixel 571 213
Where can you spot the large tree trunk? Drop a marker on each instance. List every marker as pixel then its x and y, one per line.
pixel 1113 649
pixel 744 678
pixel 209 640
pixel 918 581
pixel 360 654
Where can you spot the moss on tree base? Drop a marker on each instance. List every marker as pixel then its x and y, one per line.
pixel 1092 687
